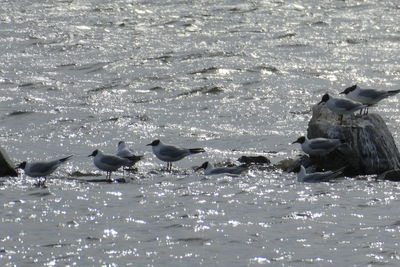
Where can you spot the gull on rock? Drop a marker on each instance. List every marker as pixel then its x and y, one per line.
pixel 341 106
pixel 367 96
pixel 210 170
pixel 303 176
pixel 318 146
pixel 170 153
pixel 41 169
pixel 108 163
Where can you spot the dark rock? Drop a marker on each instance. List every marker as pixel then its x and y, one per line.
pixel 370 145
pixel 254 160
pixel 6 166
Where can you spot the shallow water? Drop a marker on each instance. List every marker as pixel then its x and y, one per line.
pixel 235 77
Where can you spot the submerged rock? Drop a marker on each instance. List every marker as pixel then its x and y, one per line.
pixel 370 145
pixel 6 166
pixel 254 160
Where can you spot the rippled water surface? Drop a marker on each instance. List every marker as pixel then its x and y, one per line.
pixel 235 77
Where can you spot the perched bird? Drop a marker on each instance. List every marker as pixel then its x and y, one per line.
pixel 210 170
pixel 108 163
pixel 341 106
pixel 303 176
pixel 318 146
pixel 169 153
pixel 124 152
pixel 367 96
pixel 41 168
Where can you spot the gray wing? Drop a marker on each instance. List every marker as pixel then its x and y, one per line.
pixel 43 167
pixel 114 161
pixel 372 93
pixel 173 152
pixel 125 153
pixel 230 170
pixel 323 176
pixel 325 144
pixel 347 105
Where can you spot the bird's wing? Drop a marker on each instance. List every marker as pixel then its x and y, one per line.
pixel 43 168
pixel 324 143
pixel 372 93
pixel 111 160
pixel 347 105
pixel 173 152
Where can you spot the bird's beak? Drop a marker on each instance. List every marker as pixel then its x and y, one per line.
pixel 148 145
pixel 320 102
pixel 295 142
pixel 91 155
pixel 342 92
pixel 198 168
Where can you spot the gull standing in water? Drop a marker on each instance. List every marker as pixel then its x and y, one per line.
pixel 341 106
pixel 41 169
pixel 318 146
pixel 210 170
pixel 169 153
pixel 367 96
pixel 303 176
pixel 108 163
pixel 124 152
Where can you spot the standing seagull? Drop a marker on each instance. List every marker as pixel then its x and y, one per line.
pixel 124 152
pixel 41 168
pixel 318 146
pixel 341 106
pixel 210 170
pixel 169 153
pixel 303 176
pixel 108 163
pixel 367 96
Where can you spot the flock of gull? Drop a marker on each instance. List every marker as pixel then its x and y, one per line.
pixel 361 99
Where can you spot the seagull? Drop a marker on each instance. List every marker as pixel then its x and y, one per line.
pixel 210 170
pixel 318 146
pixel 41 168
pixel 108 163
pixel 171 153
pixel 303 176
pixel 341 106
pixel 124 152
pixel 367 96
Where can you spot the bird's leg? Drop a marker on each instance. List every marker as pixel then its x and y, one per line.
pixel 44 183
pixel 169 167
pixel 109 177
pixel 340 119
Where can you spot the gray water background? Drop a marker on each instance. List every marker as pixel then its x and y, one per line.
pixel 235 77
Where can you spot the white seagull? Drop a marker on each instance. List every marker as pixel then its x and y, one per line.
pixel 318 146
pixel 367 96
pixel 210 170
pixel 124 152
pixel 303 176
pixel 169 153
pixel 108 163
pixel 41 168
pixel 341 106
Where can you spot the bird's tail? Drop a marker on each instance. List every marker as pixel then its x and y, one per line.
pixel 65 159
pixel 196 150
pixel 393 92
